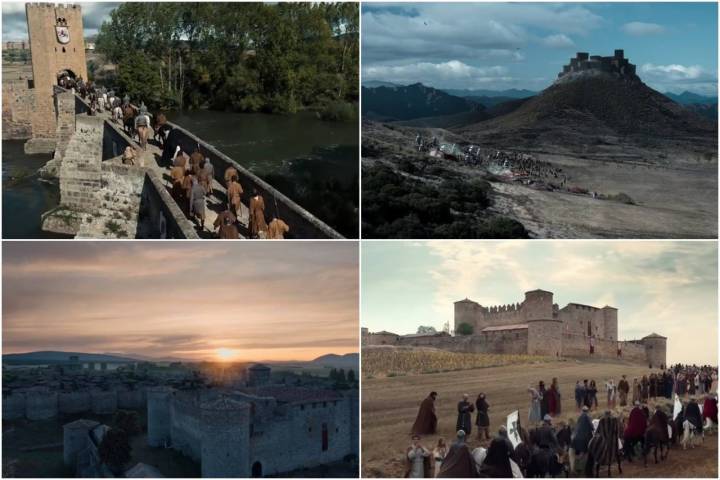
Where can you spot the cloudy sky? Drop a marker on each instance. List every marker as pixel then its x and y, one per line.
pixel 14 23
pixel 511 45
pixel 257 300
pixel 665 287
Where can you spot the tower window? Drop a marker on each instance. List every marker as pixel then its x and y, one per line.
pixel 63 49
pixel 324 437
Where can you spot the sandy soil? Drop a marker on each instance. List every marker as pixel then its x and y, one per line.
pixel 389 407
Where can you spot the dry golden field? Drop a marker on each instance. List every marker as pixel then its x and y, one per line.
pixel 390 404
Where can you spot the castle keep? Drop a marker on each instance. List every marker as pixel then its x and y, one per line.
pixel 535 326
pixel 584 62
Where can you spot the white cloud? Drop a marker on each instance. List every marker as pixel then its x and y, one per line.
pixel 559 40
pixel 677 78
pixel 641 29
pixel 451 74
pixel 674 71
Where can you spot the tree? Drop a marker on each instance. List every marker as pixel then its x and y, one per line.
pixel 426 330
pixel 128 421
pixel 464 329
pixel 115 450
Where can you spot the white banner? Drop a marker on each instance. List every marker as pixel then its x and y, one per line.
pixel 513 428
pixel 63 34
pixel 677 407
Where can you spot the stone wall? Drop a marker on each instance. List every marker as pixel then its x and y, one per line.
pixel 13 406
pixel 65 106
pixel 304 425
pixel 41 405
pixel 81 167
pixel 131 399
pixel 17 104
pixel 302 223
pixel 576 318
pixel 74 402
pixel 103 402
pixel 185 424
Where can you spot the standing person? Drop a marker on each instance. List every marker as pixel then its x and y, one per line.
pixel 234 195
pixel 439 454
pixel 464 419
pixel 205 175
pixel 497 461
pixel 197 203
pixel 592 395
pixel 459 462
pixel 644 388
pixel 277 229
pixel 426 420
pixel 554 390
pixel 623 389
pixel 534 413
pixel 229 173
pixel 580 438
pixel 483 420
pixel 258 227
pixel 579 395
pixel 610 391
pixel 544 398
pixel 417 460
pixel 225 222
pixel 636 391
pixel 653 386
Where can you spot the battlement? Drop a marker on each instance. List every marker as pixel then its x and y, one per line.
pixel 616 64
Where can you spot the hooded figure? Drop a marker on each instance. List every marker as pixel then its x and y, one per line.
pixel 426 421
pixel 459 462
pixel 693 415
pixel 497 461
pixel 464 418
pixel 583 433
pixel 710 409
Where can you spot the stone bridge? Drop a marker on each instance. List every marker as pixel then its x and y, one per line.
pixel 100 197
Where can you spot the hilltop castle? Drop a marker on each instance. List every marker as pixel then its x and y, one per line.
pixel 535 326
pixel 583 62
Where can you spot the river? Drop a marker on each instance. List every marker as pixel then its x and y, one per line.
pixel 314 162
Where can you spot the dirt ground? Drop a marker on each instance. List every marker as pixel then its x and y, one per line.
pixel 389 407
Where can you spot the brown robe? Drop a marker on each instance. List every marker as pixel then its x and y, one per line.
pixel 459 463
pixel 229 173
pixel 195 159
pixel 426 421
pixel 277 229
pixel 178 175
pixel 257 215
pixel 205 179
pixel 226 221
pixel 234 195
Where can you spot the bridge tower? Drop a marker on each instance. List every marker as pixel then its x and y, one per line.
pixel 56 44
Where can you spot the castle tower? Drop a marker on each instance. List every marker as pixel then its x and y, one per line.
pixel 56 44
pixel 158 415
pixel 544 330
pixel 225 438
pixel 611 323
pixel 75 438
pixel 655 350
pixel 258 375
pixel 467 311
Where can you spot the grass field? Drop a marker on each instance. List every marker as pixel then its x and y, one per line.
pixel 378 362
pixel 390 404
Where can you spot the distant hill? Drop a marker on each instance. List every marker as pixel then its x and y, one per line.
pixel 412 101
pixel 510 93
pixel 378 83
pixel 51 357
pixel 349 360
pixel 689 98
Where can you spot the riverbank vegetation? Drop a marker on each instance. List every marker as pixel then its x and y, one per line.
pixel 244 57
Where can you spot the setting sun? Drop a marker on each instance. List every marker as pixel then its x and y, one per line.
pixel 226 354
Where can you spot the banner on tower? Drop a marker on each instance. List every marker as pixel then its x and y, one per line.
pixel 63 34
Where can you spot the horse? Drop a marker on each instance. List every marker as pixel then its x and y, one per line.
pixel 129 120
pixel 604 448
pixel 117 114
pixel 689 434
pixel 656 436
pixel 141 125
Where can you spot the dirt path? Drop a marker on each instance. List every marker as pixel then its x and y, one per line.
pixel 389 407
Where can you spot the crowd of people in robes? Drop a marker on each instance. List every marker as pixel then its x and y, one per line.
pixel 191 173
pixel 615 434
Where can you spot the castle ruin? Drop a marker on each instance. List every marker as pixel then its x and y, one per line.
pixel 535 326
pixel 585 63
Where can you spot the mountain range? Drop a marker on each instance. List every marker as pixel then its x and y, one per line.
pixel 349 360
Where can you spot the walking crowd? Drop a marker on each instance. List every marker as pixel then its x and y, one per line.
pixel 676 406
pixel 191 173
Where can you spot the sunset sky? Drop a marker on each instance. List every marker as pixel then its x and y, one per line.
pixel 239 301
pixel 664 287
